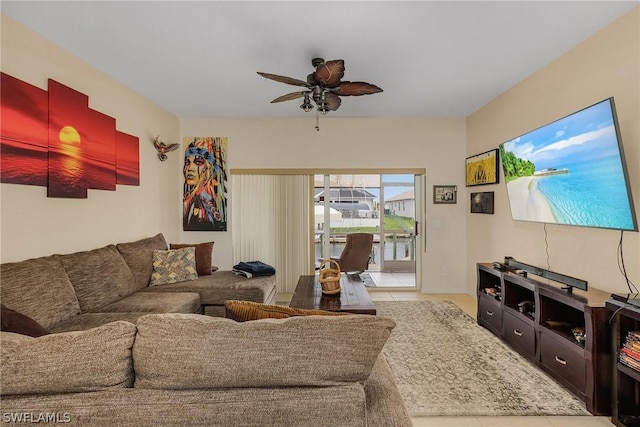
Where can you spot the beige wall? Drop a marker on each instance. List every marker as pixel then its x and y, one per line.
pixel 438 145
pixel 607 64
pixel 34 225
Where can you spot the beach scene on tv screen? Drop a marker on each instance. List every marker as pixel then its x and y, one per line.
pixel 569 172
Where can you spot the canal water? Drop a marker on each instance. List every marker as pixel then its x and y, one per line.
pixel 402 250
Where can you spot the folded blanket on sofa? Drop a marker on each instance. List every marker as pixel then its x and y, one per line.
pixel 254 268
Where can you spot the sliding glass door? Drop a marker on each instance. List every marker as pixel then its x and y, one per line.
pixel 344 204
pixel 384 205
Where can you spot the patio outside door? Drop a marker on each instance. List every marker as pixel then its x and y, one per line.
pixel 372 203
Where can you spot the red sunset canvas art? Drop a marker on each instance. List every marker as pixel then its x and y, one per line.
pixel 68 123
pixel 24 133
pixel 101 156
pixel 128 159
pixel 52 138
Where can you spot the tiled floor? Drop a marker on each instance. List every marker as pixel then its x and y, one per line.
pixel 393 280
pixel 469 306
pixel 512 422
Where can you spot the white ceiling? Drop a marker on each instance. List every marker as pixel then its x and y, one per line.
pixel 431 58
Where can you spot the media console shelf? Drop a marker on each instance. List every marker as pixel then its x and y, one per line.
pixel 625 326
pixel 540 320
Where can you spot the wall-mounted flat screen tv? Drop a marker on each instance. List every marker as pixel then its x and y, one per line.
pixel 571 171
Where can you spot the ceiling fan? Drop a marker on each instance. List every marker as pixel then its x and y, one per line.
pixel 324 86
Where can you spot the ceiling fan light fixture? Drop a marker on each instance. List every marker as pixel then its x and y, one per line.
pixel 306 105
pixel 321 100
pixel 322 108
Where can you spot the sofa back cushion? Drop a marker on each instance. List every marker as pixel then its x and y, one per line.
pixel 68 362
pixel 99 277
pixel 182 351
pixel 40 289
pixel 139 257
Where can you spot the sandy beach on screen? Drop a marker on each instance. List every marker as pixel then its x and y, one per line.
pixel 527 203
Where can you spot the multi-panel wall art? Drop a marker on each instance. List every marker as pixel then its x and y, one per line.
pixel 52 138
pixel 205 184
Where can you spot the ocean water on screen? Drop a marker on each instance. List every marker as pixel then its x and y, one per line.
pixel 593 193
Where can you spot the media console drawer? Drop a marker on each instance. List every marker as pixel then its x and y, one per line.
pixel 490 313
pixel 519 335
pixel 564 359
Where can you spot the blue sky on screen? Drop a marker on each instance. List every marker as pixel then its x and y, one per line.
pixel 584 135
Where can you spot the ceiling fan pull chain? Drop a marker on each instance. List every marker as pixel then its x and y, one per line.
pixel 317 120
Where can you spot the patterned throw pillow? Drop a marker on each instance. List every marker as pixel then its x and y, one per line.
pixel 203 256
pixel 173 266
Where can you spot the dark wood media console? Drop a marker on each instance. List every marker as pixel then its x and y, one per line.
pixel 537 318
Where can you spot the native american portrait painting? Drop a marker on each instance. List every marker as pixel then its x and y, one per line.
pixel 205 184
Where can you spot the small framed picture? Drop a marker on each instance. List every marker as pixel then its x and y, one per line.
pixel 483 168
pixel 482 202
pixel 445 194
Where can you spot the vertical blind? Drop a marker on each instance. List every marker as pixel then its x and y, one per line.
pixel 271 223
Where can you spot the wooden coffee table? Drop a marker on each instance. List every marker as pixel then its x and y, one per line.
pixel 353 298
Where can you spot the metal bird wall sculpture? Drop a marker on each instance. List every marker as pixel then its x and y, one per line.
pixel 163 148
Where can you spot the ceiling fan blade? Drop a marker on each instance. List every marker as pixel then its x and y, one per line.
pixel 356 89
pixel 284 79
pixel 289 97
pixel 329 73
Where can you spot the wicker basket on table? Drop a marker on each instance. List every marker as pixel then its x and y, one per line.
pixel 329 277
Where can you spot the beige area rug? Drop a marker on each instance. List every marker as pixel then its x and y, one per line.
pixel 447 365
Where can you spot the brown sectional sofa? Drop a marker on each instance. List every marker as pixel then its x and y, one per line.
pixel 195 370
pixel 128 354
pixel 87 289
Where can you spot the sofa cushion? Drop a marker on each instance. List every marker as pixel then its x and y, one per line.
pixel 5 335
pixel 12 321
pixel 156 302
pixel 99 277
pixel 139 257
pixel 180 351
pixel 85 321
pixel 178 265
pixel 242 311
pixel 204 252
pixel 39 288
pixel 69 362
pixel 385 406
pixel 222 286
